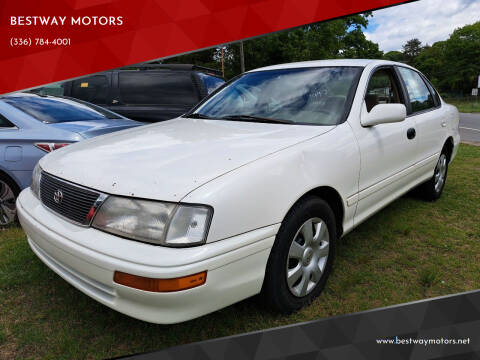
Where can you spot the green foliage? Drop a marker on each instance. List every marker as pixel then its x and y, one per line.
pixel 462 54
pixel 340 38
pixel 202 58
pixel 394 56
pixel 431 61
pixel 465 104
pixel 453 65
pixel 356 46
pixel 411 50
pixel 429 276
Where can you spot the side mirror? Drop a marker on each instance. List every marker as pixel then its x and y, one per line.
pixel 384 114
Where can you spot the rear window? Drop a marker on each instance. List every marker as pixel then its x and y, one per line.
pixel 58 110
pixel 92 89
pixel 436 97
pixel 4 123
pixel 51 89
pixel 211 83
pixel 157 88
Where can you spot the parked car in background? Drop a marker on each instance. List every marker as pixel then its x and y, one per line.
pixel 246 194
pixel 146 93
pixel 32 126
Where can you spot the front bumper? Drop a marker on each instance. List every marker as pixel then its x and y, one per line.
pixel 87 259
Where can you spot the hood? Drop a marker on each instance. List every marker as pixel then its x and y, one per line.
pixel 166 161
pixel 91 128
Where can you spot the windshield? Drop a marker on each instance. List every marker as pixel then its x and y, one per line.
pixel 318 96
pixel 57 109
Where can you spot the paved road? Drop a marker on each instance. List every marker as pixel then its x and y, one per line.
pixel 470 128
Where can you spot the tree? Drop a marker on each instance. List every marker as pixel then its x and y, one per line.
pixel 462 54
pixel 411 50
pixel 394 56
pixel 202 58
pixel 356 46
pixel 431 61
pixel 452 65
pixel 341 38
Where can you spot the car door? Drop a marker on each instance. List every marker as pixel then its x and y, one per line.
pixel 425 110
pixel 387 150
pixel 10 151
pixel 94 89
pixel 15 155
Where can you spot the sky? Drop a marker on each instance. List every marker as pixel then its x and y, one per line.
pixel 428 20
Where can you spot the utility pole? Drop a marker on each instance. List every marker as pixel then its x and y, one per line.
pixel 242 58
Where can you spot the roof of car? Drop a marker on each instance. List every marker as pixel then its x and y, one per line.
pixel 17 94
pixel 176 67
pixel 326 63
pixel 25 94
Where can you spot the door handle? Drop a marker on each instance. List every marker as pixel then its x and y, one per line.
pixel 411 133
pixel 444 124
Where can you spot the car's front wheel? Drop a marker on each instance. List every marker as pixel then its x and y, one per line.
pixel 302 256
pixel 8 196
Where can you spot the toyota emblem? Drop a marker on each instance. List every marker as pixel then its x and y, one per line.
pixel 58 196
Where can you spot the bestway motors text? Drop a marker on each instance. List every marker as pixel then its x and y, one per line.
pixel 66 20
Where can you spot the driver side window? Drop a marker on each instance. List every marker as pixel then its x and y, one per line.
pixel 382 89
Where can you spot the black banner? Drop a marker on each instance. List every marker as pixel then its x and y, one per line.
pixel 440 328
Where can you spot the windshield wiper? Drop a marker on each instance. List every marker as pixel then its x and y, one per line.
pixel 255 119
pixel 239 118
pixel 197 116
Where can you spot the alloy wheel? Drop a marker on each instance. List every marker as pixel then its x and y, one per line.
pixel 7 204
pixel 440 172
pixel 307 257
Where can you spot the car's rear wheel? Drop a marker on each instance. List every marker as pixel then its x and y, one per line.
pixel 8 195
pixel 433 188
pixel 302 256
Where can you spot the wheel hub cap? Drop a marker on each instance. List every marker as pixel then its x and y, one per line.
pixel 7 204
pixel 307 257
pixel 440 172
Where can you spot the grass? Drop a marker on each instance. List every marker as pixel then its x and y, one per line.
pixel 409 251
pixel 467 105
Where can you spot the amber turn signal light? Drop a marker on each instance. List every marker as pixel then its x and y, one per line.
pixel 160 285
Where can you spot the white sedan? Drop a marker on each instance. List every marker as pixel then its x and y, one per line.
pixel 246 194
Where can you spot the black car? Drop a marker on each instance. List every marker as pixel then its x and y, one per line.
pixel 146 93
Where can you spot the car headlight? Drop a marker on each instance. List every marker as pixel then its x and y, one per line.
pixel 155 222
pixel 36 176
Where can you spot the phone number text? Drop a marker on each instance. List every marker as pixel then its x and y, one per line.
pixel 18 42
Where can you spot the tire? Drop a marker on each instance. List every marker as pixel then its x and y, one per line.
pixel 8 195
pixel 291 251
pixel 433 188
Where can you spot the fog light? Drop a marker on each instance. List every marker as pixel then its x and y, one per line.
pixel 160 285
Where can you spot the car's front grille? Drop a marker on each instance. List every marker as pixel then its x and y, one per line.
pixel 68 200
